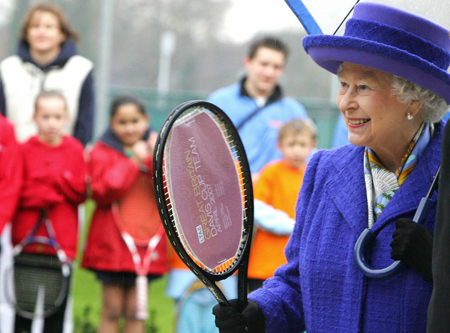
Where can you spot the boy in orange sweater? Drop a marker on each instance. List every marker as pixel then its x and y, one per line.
pixel 277 187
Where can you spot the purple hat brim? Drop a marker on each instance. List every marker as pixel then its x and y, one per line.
pixel 330 51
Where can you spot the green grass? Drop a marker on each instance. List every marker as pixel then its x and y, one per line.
pixel 86 291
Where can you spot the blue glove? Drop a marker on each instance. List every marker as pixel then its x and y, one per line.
pixel 229 320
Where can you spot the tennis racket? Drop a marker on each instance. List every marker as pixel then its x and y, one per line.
pixel 34 276
pixel 137 218
pixel 204 194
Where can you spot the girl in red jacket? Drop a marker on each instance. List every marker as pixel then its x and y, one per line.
pixel 116 161
pixel 54 179
pixel 10 172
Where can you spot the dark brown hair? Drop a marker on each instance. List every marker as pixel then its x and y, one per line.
pixel 269 42
pixel 126 99
pixel 67 31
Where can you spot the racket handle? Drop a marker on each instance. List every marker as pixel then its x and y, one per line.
pixel 141 297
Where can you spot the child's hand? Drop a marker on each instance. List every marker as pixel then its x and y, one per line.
pixel 140 150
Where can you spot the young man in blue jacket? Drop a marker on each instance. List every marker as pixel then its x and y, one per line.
pixel 256 104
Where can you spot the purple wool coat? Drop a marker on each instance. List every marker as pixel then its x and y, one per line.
pixel 320 288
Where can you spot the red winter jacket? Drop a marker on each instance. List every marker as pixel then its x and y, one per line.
pixel 10 172
pixel 55 180
pixel 112 174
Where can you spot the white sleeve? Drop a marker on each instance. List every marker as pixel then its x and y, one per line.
pixel 272 220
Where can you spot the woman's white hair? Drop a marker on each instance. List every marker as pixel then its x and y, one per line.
pixel 433 108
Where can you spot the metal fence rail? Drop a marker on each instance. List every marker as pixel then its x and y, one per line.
pixel 159 105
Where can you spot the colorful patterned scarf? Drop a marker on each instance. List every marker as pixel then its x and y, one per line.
pixel 381 184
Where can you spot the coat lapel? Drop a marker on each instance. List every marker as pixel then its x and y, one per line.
pixel 347 188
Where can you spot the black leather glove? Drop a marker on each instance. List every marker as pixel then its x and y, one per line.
pixel 413 245
pixel 229 320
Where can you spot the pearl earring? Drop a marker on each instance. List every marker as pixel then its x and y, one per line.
pixel 409 116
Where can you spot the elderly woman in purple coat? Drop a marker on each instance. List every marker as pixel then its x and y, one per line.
pixel 394 89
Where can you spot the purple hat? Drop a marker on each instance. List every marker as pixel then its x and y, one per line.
pixel 390 40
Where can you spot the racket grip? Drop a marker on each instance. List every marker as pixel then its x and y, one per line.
pixel 141 297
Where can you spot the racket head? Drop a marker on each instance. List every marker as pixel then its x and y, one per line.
pixel 136 212
pixel 33 276
pixel 203 188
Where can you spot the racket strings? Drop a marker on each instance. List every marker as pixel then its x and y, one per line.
pixel 238 155
pixel 230 138
pixel 35 274
pixel 171 212
pixel 213 154
pixel 218 270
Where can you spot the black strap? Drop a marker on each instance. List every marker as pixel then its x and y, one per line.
pixel 276 95
pixel 249 117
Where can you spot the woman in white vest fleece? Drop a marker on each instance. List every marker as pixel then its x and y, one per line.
pixel 47 59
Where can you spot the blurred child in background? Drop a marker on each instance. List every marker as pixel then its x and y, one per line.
pixel 10 172
pixel 193 301
pixel 10 185
pixel 47 59
pixel 55 181
pixel 116 160
pixel 278 186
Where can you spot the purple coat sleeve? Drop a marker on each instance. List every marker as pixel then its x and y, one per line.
pixel 281 297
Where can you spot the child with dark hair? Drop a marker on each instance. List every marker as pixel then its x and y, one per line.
pixel 54 180
pixel 116 163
